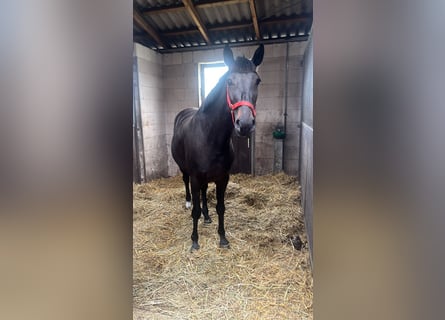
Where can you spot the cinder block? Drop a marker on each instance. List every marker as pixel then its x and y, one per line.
pixel 191 71
pixel 187 57
pixel 270 90
pixel 263 166
pixel 295 61
pixel 273 116
pixel 292 151
pixel 149 67
pixel 172 58
pixel 277 50
pixel 297 48
pixel 207 56
pixel 293 116
pixel 294 103
pixel 149 80
pixel 290 167
pixel 170 83
pixel 295 74
pixel 272 64
pixel 294 89
pixel 264 150
pixel 149 93
pixel 173 71
pixel 146 53
pixel 269 103
pixel 271 77
pixel 292 138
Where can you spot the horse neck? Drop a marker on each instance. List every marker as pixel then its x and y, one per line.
pixel 217 115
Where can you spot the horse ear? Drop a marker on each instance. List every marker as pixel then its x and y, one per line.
pixel 258 55
pixel 228 56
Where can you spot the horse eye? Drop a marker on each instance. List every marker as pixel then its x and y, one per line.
pixel 229 82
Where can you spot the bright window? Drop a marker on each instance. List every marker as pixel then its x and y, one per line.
pixel 209 75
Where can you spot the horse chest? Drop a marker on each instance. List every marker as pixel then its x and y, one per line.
pixel 212 163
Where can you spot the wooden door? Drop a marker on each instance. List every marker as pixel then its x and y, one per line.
pixel 243 154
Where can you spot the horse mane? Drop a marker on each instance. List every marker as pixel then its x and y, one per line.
pixel 213 94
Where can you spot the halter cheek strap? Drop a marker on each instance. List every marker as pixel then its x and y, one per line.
pixel 238 104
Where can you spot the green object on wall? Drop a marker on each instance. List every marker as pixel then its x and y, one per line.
pixel 278 134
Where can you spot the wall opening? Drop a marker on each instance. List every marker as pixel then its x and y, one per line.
pixel 209 75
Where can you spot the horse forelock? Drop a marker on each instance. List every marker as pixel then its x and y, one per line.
pixel 242 64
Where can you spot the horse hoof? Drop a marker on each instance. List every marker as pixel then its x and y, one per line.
pixel 188 204
pixel 195 247
pixel 224 244
pixel 208 221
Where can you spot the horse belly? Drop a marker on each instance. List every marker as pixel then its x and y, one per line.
pixel 219 169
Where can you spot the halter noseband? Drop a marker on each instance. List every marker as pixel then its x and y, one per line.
pixel 238 104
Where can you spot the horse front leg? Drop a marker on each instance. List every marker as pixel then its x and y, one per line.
pixel 205 209
pixel 196 212
pixel 220 209
pixel 188 198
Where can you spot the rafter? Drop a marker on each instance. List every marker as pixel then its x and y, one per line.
pixel 196 19
pixel 254 19
pixel 147 28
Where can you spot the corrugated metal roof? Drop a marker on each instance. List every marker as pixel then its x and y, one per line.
pixel 172 26
pixel 279 8
pixel 171 21
pixel 225 14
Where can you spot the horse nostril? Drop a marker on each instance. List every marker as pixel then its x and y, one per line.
pixel 253 122
pixel 237 122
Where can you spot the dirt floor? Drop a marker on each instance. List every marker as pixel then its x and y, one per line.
pixel 261 276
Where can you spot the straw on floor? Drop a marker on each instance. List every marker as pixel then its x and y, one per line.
pixel 261 276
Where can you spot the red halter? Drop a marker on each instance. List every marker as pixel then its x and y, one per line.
pixel 238 104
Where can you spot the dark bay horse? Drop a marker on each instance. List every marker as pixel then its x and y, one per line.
pixel 201 144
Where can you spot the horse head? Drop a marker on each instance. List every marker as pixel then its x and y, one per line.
pixel 242 89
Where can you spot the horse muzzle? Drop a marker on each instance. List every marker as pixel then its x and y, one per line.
pixel 244 121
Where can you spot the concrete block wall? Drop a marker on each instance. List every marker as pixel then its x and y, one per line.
pixel 294 99
pixel 149 64
pixel 177 84
pixel 271 105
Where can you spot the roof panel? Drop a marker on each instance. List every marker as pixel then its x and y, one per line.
pixel 225 14
pixel 278 8
pixel 228 21
pixel 171 20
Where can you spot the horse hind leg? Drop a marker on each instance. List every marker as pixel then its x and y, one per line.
pixel 205 209
pixel 188 197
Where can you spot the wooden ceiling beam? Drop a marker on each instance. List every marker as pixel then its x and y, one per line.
pixel 196 19
pixel 254 19
pixel 147 28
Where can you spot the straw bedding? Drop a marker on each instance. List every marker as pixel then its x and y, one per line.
pixel 261 276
